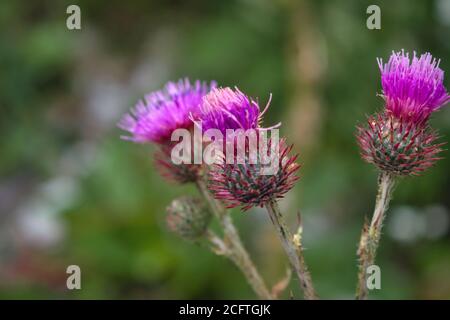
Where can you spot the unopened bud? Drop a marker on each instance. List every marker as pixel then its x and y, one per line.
pixel 188 217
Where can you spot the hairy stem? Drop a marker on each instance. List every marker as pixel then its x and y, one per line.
pixel 217 245
pixel 294 250
pixel 235 249
pixel 370 236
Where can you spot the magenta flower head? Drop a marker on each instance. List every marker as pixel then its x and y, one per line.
pixel 161 112
pixel 399 140
pixel 413 88
pixel 155 118
pixel 224 108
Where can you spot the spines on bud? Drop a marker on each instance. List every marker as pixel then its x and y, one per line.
pixel 398 146
pixel 188 217
pixel 245 185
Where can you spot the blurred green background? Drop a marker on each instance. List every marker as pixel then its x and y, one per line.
pixel 71 192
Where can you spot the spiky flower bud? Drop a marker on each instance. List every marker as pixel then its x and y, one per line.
pixel 188 217
pixel 177 173
pixel 246 185
pixel 397 146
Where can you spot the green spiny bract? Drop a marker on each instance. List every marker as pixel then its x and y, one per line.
pixel 397 146
pixel 245 185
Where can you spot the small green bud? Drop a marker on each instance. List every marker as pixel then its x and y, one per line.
pixel 188 217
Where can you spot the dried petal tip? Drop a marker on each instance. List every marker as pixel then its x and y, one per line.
pixel 246 184
pixel 398 146
pixel 188 218
pixel 413 89
pixel 161 112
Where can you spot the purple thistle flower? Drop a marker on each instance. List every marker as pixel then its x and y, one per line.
pixel 224 108
pixel 399 140
pixel 242 183
pixel 412 89
pixel 161 112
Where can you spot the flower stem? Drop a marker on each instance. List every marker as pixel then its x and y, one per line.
pixel 235 249
pixel 217 245
pixel 294 250
pixel 370 236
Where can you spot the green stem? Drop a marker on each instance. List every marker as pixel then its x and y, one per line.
pixel 236 251
pixel 370 236
pixel 294 250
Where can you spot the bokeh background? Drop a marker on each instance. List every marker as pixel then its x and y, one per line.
pixel 71 192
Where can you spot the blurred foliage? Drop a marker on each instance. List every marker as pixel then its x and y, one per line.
pixel 54 106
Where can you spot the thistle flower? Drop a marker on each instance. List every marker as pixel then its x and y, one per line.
pixel 225 108
pixel 397 146
pixel 245 181
pixel 161 112
pixel 188 218
pixel 412 89
pixel 399 140
pixel 154 120
pixel 245 185
pixel 242 181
